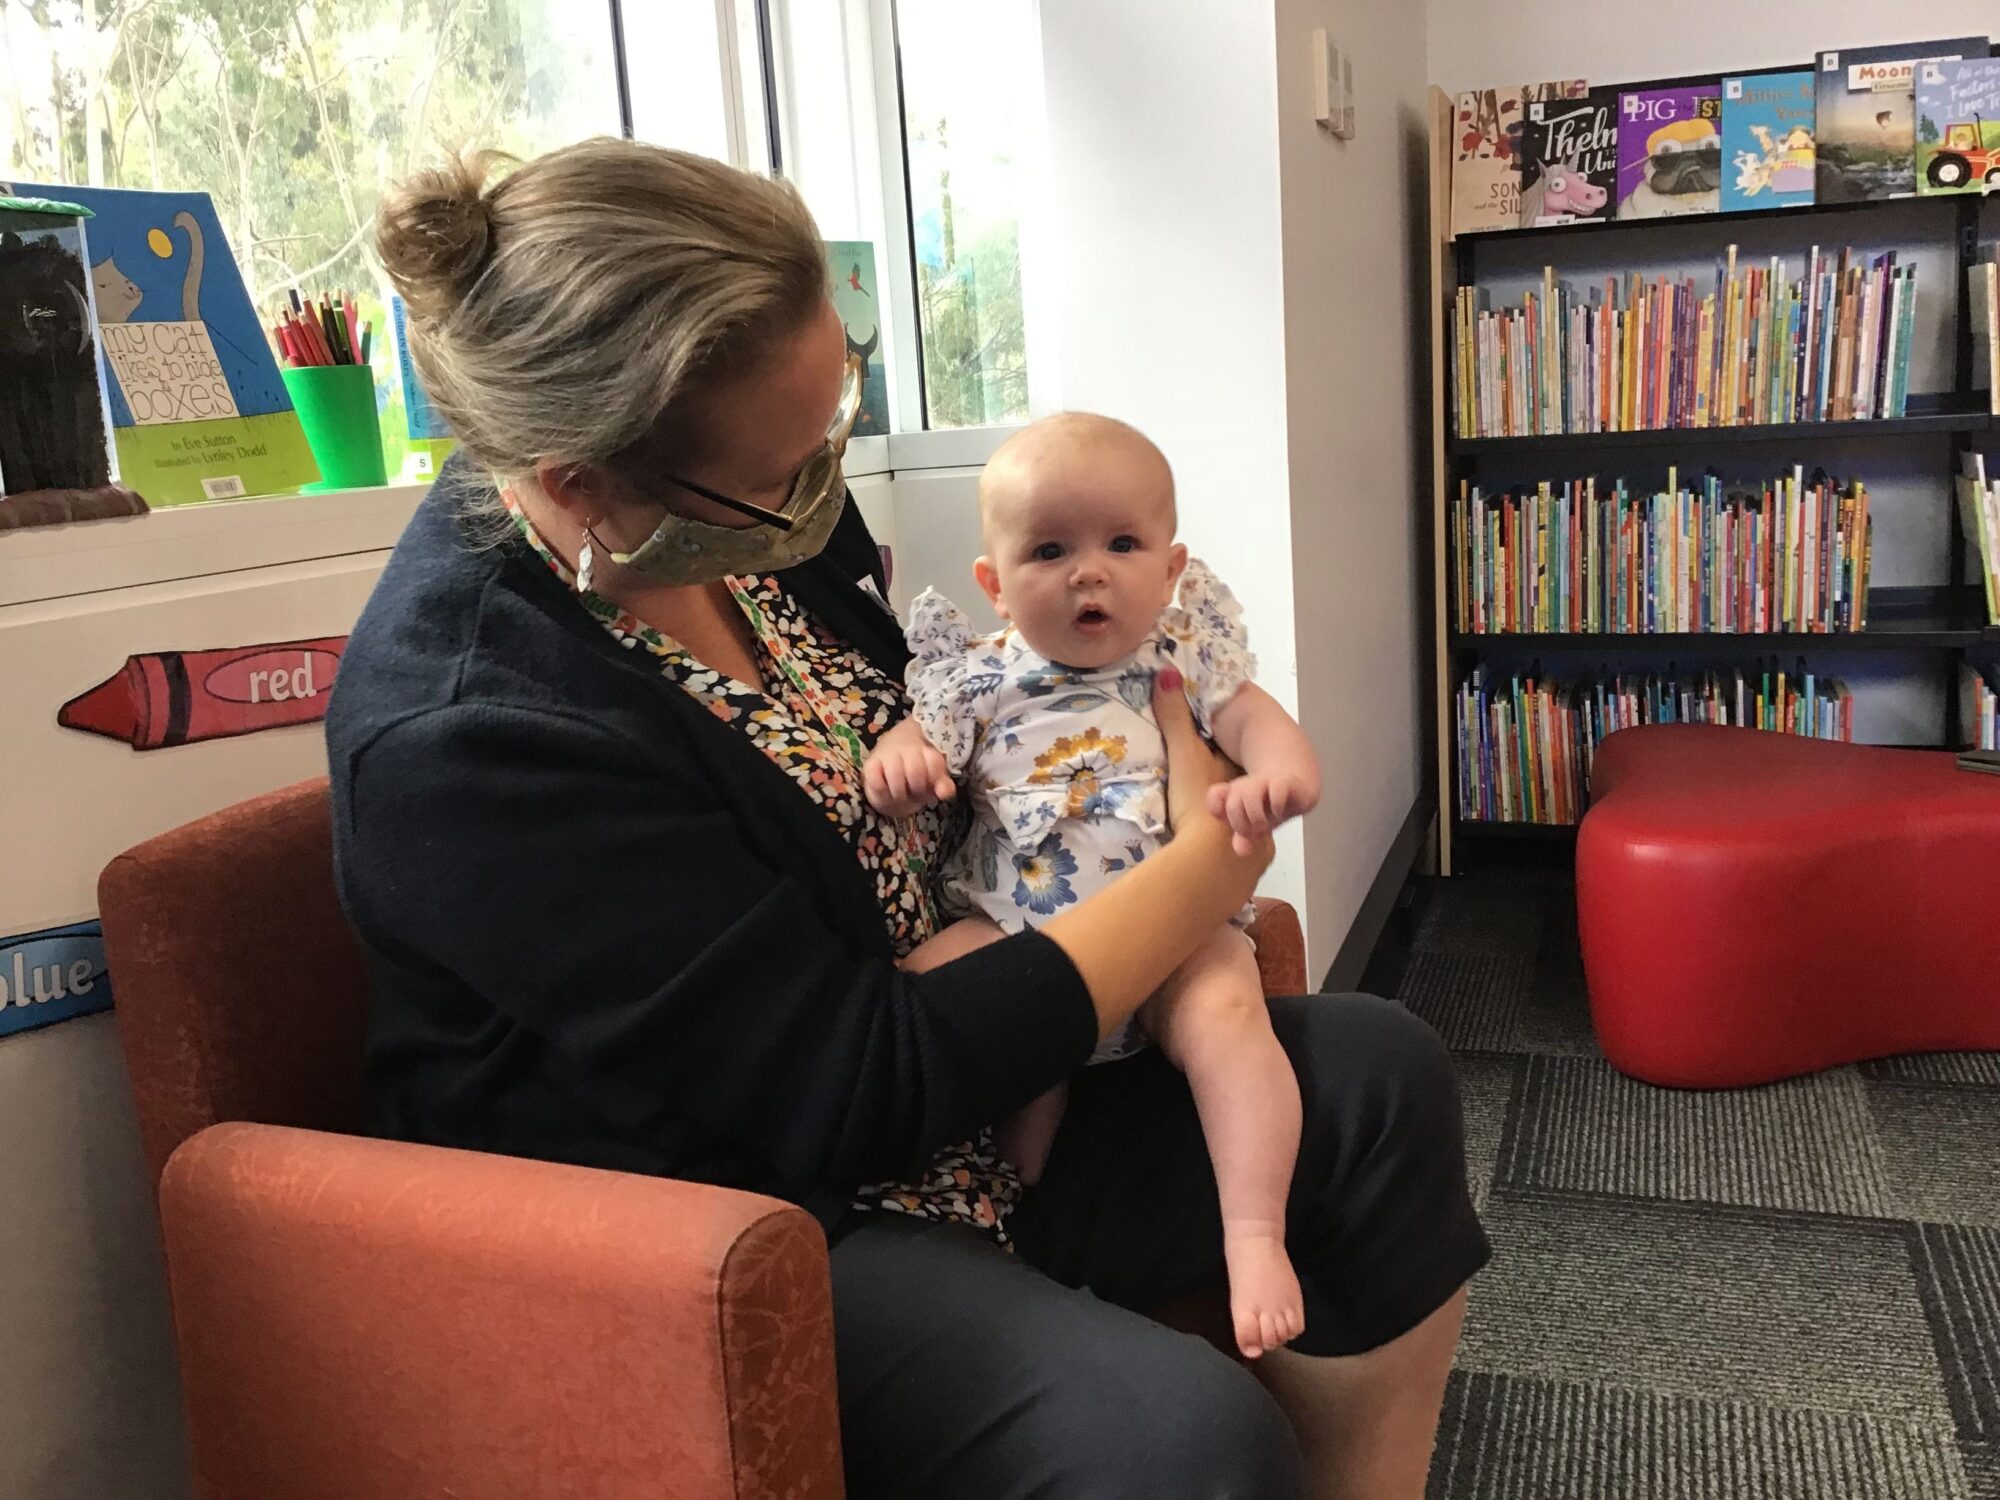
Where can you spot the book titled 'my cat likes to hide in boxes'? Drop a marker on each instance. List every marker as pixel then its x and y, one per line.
pixel 198 409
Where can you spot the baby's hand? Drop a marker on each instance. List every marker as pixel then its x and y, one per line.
pixel 1258 801
pixel 905 774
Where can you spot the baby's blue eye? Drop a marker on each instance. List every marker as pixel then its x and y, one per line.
pixel 1048 552
pixel 1125 544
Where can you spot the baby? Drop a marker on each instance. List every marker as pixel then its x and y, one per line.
pixel 1050 726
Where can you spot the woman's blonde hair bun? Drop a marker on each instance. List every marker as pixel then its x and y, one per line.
pixel 562 310
pixel 434 232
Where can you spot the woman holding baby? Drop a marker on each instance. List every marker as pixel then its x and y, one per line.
pixel 674 855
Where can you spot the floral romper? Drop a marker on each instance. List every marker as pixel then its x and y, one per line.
pixel 1066 769
pixel 824 706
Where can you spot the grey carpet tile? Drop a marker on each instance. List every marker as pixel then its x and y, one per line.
pixel 1982 1469
pixel 1506 1438
pixel 1941 1151
pixel 1473 999
pixel 1980 1069
pixel 1758 1305
pixel 1958 1278
pixel 1808 1143
pixel 1554 1015
pixel 1487 1083
pixel 1492 913
pixel 1512 1439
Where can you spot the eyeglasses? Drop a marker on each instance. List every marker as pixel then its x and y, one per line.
pixel 820 476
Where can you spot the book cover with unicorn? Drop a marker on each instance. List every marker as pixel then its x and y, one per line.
pixel 1569 159
pixel 1767 140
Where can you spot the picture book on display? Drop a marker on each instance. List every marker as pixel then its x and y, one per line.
pixel 1958 126
pixel 851 263
pixel 1767 141
pixel 54 423
pixel 1569 159
pixel 1486 153
pixel 1866 129
pixel 1669 152
pixel 198 409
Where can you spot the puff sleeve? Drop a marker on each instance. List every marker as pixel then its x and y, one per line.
pixel 1206 638
pixel 952 677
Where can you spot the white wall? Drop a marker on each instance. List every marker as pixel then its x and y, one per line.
pixel 1354 216
pixel 1165 262
pixel 1475 45
pixel 92 1403
pixel 1249 292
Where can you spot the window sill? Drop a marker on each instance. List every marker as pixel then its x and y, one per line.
pixel 198 541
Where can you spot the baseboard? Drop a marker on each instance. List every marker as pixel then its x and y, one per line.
pixel 1406 850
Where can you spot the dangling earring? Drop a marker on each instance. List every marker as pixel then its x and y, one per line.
pixel 586 563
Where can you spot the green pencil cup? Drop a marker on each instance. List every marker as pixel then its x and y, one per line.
pixel 336 406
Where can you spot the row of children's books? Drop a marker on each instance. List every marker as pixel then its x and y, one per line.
pixel 1981 705
pixel 1526 743
pixel 1862 123
pixel 1791 554
pixel 1979 513
pixel 1832 345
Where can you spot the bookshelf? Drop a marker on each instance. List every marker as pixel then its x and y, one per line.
pixel 1921 632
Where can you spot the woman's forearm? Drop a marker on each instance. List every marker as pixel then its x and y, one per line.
pixel 1130 936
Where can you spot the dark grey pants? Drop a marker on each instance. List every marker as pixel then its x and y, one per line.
pixel 967 1373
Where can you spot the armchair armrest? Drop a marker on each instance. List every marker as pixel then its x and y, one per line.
pixel 372 1320
pixel 1281 947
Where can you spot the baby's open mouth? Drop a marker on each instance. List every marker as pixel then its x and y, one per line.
pixel 1092 615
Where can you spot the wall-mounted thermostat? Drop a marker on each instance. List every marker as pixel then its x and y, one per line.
pixel 1333 86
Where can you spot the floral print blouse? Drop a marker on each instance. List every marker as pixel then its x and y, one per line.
pixel 817 714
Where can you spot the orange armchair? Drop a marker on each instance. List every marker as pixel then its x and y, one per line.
pixel 372 1320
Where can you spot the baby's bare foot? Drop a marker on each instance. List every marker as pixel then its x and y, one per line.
pixel 1265 1302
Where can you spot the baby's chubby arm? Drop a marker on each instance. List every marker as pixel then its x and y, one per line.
pixel 1280 779
pixel 905 773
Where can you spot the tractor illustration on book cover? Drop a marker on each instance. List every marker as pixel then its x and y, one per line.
pixel 1964 156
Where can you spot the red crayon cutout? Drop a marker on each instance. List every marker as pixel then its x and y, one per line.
pixel 163 698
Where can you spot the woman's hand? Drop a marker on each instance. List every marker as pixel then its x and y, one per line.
pixel 1193 769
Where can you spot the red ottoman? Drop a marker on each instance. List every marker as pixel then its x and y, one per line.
pixel 1753 906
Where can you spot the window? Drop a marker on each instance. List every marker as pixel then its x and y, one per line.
pixel 295 118
pixel 970 78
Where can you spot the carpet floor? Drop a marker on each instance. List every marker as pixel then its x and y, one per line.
pixel 1782 1293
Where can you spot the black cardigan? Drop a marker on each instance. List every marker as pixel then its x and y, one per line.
pixel 606 929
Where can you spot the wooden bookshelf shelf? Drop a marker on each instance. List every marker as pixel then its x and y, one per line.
pixel 1478 828
pixel 1601 228
pixel 1945 418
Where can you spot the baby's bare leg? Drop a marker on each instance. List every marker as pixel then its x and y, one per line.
pixel 1024 1140
pixel 957 940
pixel 1211 1021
